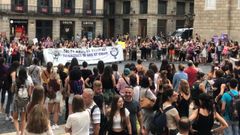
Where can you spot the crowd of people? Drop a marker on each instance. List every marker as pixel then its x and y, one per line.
pixel 150 48
pixel 105 100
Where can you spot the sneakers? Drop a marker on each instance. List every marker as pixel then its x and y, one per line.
pixel 9 118
pixel 55 126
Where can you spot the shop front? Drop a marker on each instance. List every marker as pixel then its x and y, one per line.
pixel 88 29
pixel 18 29
pixel 67 30
pixel 44 28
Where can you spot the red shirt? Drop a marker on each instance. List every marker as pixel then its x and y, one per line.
pixel 192 75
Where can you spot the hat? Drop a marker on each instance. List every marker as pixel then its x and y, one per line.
pixel 126 71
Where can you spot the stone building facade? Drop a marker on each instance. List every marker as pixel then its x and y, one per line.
pixel 59 19
pixel 146 17
pixel 216 17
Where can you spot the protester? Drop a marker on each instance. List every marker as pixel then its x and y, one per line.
pixel 135 111
pixel 21 89
pixel 95 113
pixel 203 117
pixel 78 123
pixel 119 118
pixel 38 122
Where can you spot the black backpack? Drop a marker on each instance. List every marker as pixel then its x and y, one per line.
pixel 158 126
pixel 234 107
pixel 103 121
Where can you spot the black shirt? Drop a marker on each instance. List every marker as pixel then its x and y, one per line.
pixel 86 73
pixel 133 107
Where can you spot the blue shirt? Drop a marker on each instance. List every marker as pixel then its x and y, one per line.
pixel 177 79
pixel 226 98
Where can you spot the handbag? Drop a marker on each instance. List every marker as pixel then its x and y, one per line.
pixel 145 102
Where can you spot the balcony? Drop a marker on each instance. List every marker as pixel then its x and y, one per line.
pixel 18 8
pixel 48 11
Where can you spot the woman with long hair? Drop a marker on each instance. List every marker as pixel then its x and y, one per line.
pixel 54 97
pixel 10 81
pixel 90 80
pixel 37 98
pixel 21 90
pixel 184 98
pixel 119 118
pixel 145 92
pixel 170 97
pixel 75 85
pixel 38 122
pixel 203 117
pixel 108 83
pixel 78 123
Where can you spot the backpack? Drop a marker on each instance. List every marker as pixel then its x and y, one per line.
pixel 22 92
pixel 76 87
pixel 103 121
pixel 234 107
pixel 158 126
pixel 209 88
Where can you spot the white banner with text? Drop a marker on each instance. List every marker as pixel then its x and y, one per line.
pixel 90 55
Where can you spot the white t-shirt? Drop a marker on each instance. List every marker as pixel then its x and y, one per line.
pixel 79 123
pixel 136 92
pixel 117 119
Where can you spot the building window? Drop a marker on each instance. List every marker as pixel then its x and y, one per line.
pixel 126 7
pixel 161 26
pixel 180 8
pixel 44 6
pixel 19 2
pixel 125 26
pixel 44 3
pixel 210 4
pixel 191 9
pixel 67 6
pixel 162 7
pixel 180 24
pixel 112 8
pixel 143 6
pixel 89 7
pixel 19 5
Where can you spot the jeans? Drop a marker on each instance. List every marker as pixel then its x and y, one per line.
pixel 232 129
pixel 9 102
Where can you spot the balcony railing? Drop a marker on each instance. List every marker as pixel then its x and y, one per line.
pixel 40 10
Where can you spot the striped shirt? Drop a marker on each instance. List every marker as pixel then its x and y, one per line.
pixel 95 117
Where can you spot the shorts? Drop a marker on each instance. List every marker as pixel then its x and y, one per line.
pixel 57 99
pixel 70 99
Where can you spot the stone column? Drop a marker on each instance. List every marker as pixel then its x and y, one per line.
pixel 99 27
pixel 133 26
pixel 118 7
pixel 171 26
pixel 151 26
pixel 31 28
pixel 56 29
pixel 152 6
pixel 135 6
pixel 78 27
pixel 78 6
pixel 118 26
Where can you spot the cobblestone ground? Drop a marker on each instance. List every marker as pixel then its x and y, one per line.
pixel 7 128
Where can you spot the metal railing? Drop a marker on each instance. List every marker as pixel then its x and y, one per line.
pixel 40 10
